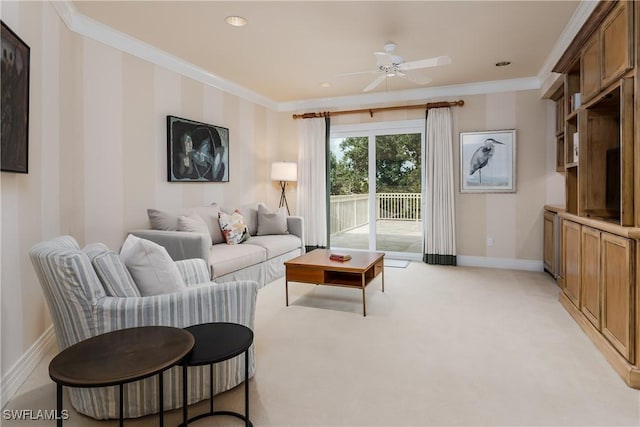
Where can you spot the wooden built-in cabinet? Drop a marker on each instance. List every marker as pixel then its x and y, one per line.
pixel 548 251
pixel 590 68
pixel 618 293
pixel 571 256
pixel 597 127
pixel 616 34
pixel 591 290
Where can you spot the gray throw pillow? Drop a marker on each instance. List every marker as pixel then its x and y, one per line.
pixel 192 222
pixel 272 222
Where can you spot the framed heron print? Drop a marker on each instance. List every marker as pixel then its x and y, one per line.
pixel 196 152
pixel 488 161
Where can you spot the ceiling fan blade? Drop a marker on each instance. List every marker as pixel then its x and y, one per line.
pixel 375 83
pixel 357 73
pixel 425 63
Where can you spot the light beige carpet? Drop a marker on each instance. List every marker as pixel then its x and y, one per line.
pixel 441 346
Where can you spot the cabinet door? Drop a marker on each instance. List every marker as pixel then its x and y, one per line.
pixel 616 47
pixel 618 293
pixel 590 66
pixel 571 254
pixel 590 275
pixel 549 245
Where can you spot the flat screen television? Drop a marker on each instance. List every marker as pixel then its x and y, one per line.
pixel 613 180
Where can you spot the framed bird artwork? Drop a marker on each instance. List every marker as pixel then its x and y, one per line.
pixel 196 152
pixel 488 161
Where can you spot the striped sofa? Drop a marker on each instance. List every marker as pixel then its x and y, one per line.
pixel 80 308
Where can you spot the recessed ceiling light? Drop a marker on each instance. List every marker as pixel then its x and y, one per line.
pixel 236 21
pixel 325 84
pixel 503 63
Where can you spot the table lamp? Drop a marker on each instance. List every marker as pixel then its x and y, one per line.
pixel 284 172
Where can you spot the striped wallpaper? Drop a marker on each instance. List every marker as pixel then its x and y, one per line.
pixel 97 146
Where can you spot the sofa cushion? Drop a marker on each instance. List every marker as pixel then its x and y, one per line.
pixel 226 259
pixel 167 220
pixel 111 271
pixel 234 229
pixel 151 267
pixel 250 213
pixel 276 245
pixel 271 222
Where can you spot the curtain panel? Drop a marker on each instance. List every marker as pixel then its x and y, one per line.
pixel 312 180
pixel 440 229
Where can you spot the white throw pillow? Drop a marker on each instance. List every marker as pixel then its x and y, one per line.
pixel 151 267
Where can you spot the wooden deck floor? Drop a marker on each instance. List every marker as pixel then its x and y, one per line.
pixel 393 236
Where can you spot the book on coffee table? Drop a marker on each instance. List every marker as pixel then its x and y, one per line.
pixel 340 257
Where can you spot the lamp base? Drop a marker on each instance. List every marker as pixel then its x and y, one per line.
pixel 283 197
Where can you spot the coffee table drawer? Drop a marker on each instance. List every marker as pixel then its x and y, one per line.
pixel 305 275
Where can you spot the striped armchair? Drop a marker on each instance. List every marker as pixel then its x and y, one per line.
pixel 80 309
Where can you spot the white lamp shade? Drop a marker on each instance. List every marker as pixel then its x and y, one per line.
pixel 284 171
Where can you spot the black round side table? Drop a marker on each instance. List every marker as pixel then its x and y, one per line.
pixel 120 357
pixel 214 343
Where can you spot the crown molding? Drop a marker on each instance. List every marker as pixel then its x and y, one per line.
pixel 95 30
pixel 577 20
pixel 422 94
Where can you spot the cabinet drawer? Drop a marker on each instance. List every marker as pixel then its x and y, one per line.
pixel 305 275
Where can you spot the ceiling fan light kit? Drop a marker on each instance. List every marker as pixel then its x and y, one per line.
pixel 391 65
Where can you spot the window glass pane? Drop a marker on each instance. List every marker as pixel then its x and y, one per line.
pixel 398 193
pixel 349 181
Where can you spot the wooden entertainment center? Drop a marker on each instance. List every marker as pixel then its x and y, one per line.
pixel 598 150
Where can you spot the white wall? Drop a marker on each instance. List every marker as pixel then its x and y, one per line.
pixel 97 160
pixel 97 146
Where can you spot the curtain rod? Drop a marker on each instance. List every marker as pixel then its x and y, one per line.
pixel 427 106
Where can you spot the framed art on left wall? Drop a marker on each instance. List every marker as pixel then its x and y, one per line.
pixel 14 105
pixel 196 152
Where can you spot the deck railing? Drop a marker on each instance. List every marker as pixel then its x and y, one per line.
pixel 352 211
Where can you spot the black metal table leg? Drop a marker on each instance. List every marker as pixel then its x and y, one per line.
pixel 185 404
pixel 161 398
pixel 59 405
pixel 121 406
pixel 246 388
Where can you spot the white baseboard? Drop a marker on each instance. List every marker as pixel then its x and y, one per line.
pixel 18 374
pixel 504 263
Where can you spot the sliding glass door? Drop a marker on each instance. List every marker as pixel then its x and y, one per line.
pixel 376 187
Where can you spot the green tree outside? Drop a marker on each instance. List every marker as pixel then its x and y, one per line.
pixel 398 160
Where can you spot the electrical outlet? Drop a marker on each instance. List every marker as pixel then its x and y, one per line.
pixel 489 241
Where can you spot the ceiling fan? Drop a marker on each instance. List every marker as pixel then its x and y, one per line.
pixel 391 65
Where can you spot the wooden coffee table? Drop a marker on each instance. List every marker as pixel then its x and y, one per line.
pixel 316 267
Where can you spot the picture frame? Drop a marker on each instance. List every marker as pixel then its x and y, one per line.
pixel 196 151
pixel 14 103
pixel 488 161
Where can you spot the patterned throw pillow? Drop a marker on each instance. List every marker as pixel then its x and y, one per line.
pixel 234 227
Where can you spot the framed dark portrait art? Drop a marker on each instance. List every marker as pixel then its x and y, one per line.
pixel 196 152
pixel 14 103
